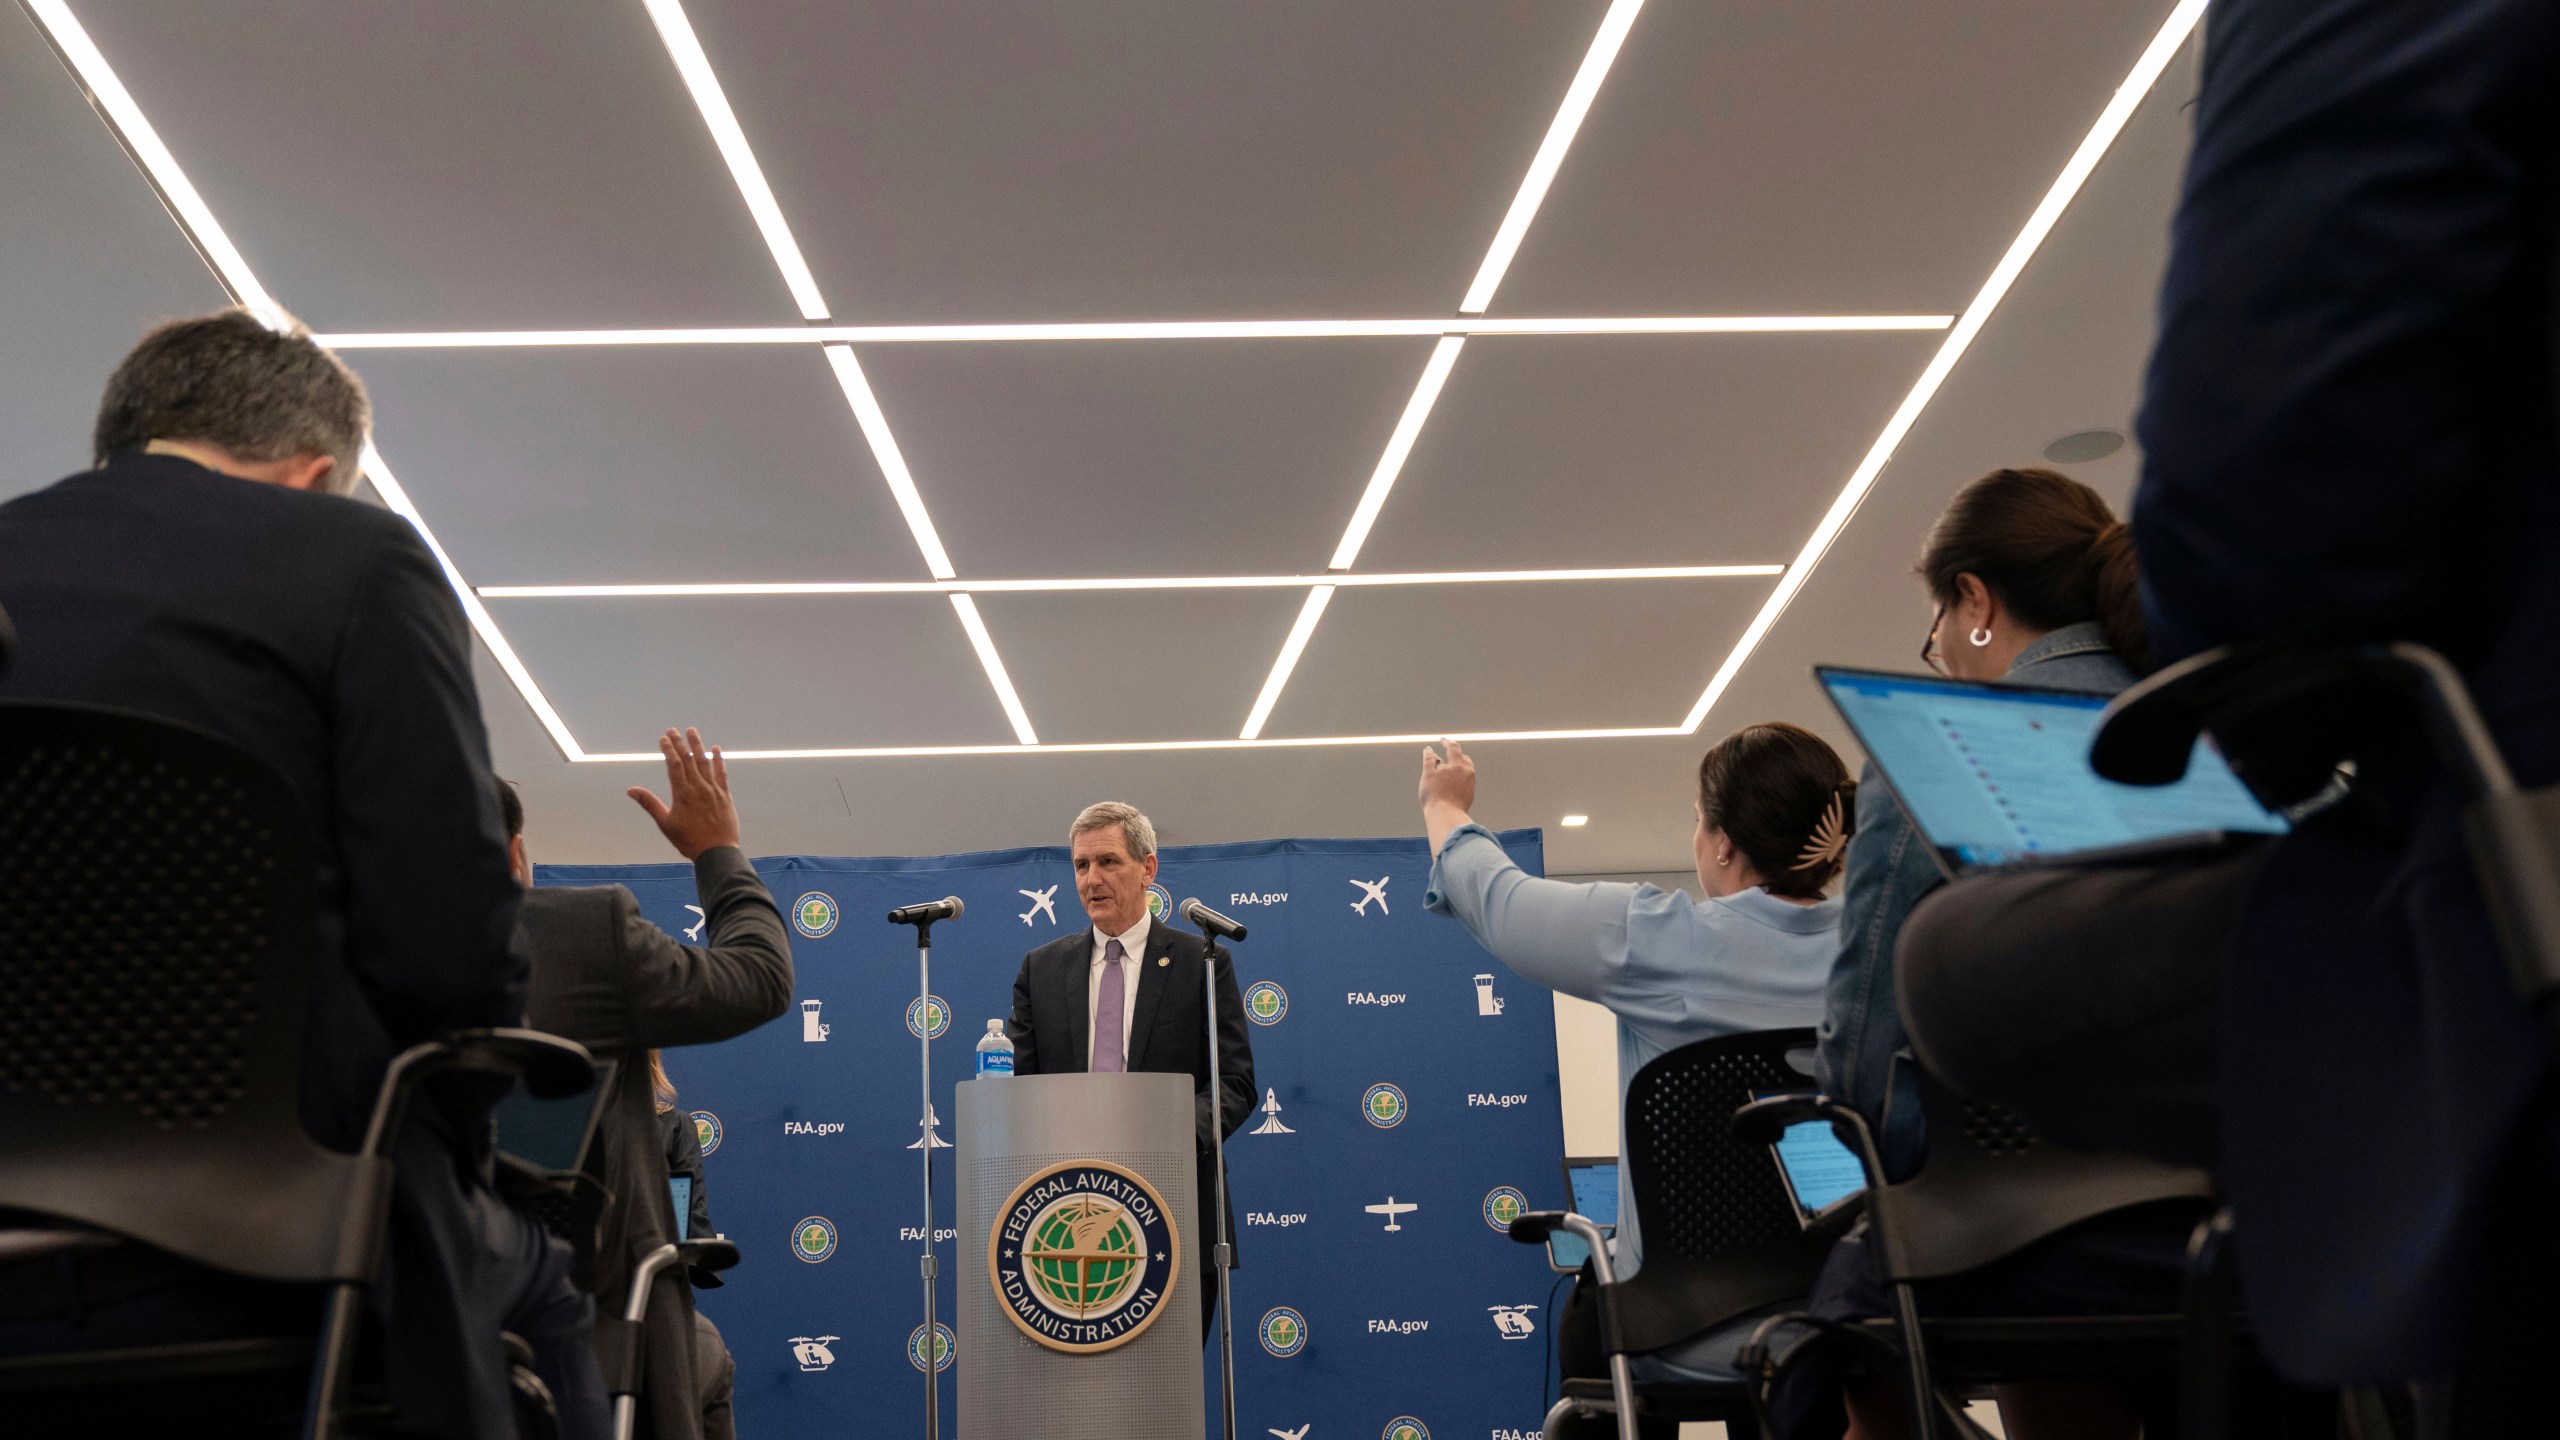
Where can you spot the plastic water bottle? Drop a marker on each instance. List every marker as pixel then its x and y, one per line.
pixel 995 1050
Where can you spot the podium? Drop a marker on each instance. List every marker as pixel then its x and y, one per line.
pixel 1078 1263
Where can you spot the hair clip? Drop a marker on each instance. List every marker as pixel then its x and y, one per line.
pixel 1830 838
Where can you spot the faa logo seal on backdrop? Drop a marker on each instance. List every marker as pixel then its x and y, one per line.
pixel 1084 1256
pixel 814 1238
pixel 1265 1003
pixel 707 1131
pixel 1502 1205
pixel 814 914
pixel 1405 1427
pixel 1383 1106
pixel 943 1346
pixel 928 1017
pixel 1283 1331
pixel 1159 904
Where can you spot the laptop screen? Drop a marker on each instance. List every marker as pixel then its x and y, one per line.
pixel 1994 774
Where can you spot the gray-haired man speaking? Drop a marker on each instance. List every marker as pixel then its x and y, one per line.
pixel 1126 995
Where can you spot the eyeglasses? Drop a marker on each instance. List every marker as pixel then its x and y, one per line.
pixel 1929 644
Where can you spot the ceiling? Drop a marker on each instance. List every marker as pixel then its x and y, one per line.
pixel 474 165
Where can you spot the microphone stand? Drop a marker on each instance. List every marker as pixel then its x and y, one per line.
pixel 924 1130
pixel 1224 1257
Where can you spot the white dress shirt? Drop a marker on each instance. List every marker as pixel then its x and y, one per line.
pixel 1133 944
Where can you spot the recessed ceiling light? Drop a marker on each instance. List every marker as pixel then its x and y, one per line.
pixel 1134 582
pixel 1290 650
pixel 1576 822
pixel 2082 446
pixel 1551 151
pixel 2057 198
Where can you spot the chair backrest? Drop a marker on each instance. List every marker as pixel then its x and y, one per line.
pixel 1700 1191
pixel 156 939
pixel 1990 1186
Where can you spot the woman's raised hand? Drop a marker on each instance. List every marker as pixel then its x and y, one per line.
pixel 1450 781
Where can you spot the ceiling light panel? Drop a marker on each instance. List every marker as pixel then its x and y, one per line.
pixel 1292 649
pixel 484 163
pixel 760 673
pixel 988 160
pixel 1177 457
pixel 1131 583
pixel 1551 152
pixel 1100 330
pixel 617 465
pixel 1639 450
pixel 1835 158
pixel 1510 657
pixel 1138 664
pixel 74 304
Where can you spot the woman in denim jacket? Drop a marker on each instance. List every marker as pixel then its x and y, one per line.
pixel 2034 582
pixel 2033 578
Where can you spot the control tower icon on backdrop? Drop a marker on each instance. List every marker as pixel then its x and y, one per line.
pixel 811 1030
pixel 1487 1003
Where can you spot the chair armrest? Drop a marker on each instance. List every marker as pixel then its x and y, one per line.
pixel 1535 1227
pixel 549 1066
pixel 711 1252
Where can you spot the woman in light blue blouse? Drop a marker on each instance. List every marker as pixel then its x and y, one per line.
pixel 1772 803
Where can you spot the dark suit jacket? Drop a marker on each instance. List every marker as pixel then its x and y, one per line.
pixel 2348 435
pixel 1167 1033
pixel 617 984
pixel 318 634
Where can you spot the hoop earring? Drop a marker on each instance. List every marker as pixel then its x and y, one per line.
pixel 1723 860
pixel 1980 637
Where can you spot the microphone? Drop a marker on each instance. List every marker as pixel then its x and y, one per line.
pixel 946 908
pixel 1210 921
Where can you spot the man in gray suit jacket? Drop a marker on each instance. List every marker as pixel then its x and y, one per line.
pixel 606 977
pixel 1126 995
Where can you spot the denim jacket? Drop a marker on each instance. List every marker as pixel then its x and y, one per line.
pixel 1889 869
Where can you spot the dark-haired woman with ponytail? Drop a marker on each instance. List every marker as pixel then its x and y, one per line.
pixel 1773 807
pixel 2032 578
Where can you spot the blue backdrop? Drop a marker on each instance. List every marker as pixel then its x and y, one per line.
pixel 1400 1064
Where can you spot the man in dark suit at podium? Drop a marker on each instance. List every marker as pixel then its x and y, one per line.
pixel 1126 995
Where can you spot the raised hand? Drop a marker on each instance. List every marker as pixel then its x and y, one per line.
pixel 699 815
pixel 1450 781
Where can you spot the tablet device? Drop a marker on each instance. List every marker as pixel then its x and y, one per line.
pixel 1820 1173
pixel 681 1188
pixel 1997 776
pixel 1591 1183
pixel 553 1135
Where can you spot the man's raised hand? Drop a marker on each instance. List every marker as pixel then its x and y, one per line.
pixel 698 815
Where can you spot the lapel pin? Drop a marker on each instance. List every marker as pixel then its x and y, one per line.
pixel 1163 960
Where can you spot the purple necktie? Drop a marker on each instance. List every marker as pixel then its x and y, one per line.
pixel 1107 1005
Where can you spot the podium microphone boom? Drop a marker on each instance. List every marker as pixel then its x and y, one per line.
pixel 1210 921
pixel 946 908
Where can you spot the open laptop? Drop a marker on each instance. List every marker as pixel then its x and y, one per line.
pixel 1997 776
pixel 1591 1185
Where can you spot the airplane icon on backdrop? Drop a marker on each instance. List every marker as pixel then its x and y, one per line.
pixel 1043 902
pixel 1298 1434
pixel 694 930
pixel 1391 1210
pixel 1371 891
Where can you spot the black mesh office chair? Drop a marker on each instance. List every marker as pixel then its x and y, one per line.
pixel 156 938
pixel 1720 1236
pixel 1988 1187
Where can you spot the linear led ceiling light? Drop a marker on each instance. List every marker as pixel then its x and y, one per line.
pixel 1138 582
pixel 685 48
pixel 1514 228
pixel 1113 747
pixel 2093 147
pixel 125 120
pixel 1132 330
pixel 1550 157
pixel 1290 650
